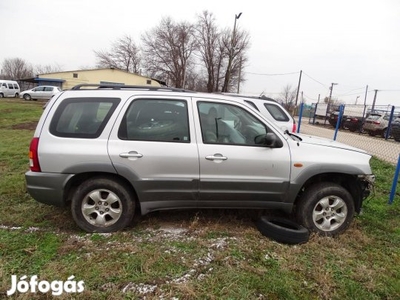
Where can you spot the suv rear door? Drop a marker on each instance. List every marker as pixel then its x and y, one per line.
pixel 153 146
pixel 234 170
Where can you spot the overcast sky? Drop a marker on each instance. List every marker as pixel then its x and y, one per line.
pixel 354 43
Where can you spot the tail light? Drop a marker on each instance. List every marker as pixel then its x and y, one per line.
pixel 376 122
pixel 33 155
pixel 294 127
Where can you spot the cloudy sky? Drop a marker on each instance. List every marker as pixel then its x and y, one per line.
pixel 353 43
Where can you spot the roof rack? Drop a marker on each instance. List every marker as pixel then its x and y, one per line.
pixel 94 86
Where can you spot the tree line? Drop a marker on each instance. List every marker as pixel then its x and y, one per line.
pixel 197 56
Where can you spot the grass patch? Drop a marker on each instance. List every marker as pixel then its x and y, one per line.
pixel 207 254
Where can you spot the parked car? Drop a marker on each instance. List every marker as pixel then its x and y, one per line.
pixel 110 152
pixel 377 124
pixel 395 129
pixel 40 92
pixel 333 118
pixel 9 88
pixel 354 124
pixel 270 109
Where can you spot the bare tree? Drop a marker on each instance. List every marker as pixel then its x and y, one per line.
pixel 124 55
pixel 288 97
pixel 208 36
pixel 16 69
pixel 168 51
pixel 235 45
pixel 39 69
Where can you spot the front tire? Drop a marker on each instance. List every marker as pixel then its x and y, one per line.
pixel 325 208
pixel 27 97
pixel 102 205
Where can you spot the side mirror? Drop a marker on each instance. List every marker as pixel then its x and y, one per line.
pixel 269 140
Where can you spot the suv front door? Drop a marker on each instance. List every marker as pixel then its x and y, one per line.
pixel 235 171
pixel 152 145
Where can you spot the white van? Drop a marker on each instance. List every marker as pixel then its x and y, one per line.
pixel 9 88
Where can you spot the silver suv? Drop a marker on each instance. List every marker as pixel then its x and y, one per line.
pixel 113 152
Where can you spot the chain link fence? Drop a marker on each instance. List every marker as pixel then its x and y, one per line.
pixel 373 129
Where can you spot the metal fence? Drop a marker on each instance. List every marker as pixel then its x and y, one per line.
pixel 375 130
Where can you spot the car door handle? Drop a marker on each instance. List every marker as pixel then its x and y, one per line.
pixel 216 157
pixel 131 154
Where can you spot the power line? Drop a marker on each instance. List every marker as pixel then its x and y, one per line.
pixel 316 80
pixel 276 74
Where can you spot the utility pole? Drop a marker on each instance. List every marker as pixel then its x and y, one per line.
pixel 330 94
pixel 329 100
pixel 298 87
pixel 373 102
pixel 230 59
pixel 365 102
pixel 240 73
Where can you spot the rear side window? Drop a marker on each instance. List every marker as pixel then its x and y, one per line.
pixel 156 120
pixel 276 112
pixel 82 118
pixel 10 86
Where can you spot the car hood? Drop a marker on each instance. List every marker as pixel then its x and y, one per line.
pixel 314 140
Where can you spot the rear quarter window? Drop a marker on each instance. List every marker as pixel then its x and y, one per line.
pixel 82 117
pixel 276 112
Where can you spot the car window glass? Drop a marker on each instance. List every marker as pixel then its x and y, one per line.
pixel 252 104
pixel 82 118
pixel 374 117
pixel 10 86
pixel 156 120
pixel 4 85
pixel 16 86
pixel 48 88
pixel 276 112
pixel 228 124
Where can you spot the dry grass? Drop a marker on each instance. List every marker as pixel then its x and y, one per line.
pixel 201 254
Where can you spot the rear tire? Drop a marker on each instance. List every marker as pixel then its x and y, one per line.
pixel 325 208
pixel 102 205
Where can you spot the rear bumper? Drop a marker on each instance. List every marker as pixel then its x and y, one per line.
pixel 47 188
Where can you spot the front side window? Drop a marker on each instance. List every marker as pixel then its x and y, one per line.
pixel 38 89
pixel 229 124
pixel 276 112
pixel 82 118
pixel 156 120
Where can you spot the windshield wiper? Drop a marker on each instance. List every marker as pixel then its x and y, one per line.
pixel 293 135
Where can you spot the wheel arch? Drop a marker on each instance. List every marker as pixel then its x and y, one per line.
pixel 76 180
pixel 347 181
